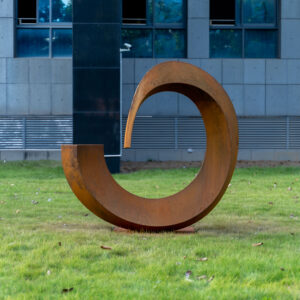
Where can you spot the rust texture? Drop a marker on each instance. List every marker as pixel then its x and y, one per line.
pixel 94 186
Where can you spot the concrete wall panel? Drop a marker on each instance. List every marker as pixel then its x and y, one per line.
pixel 17 99
pixel 193 61
pixel 128 70
pixel 6 8
pixel 164 103
pixel 187 107
pixel 213 67
pixel 233 71
pixel 169 155
pixel 290 9
pixel 40 70
pixel 6 37
pixel 236 94
pixel 254 100
pixel 17 70
pixel 293 107
pixel 128 92
pixel 255 71
pixel 293 67
pixel 62 101
pixel 263 154
pixel 167 103
pixel 276 71
pixel 198 9
pixel 146 155
pixel 142 66
pixel 290 38
pixel 61 71
pixel 40 99
pixel 12 155
pixel 276 100
pixel 2 70
pixel 198 38
pixel 2 99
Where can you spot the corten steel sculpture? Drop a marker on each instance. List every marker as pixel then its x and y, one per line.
pixel 92 183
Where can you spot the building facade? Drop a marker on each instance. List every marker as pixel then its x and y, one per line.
pixel 252 47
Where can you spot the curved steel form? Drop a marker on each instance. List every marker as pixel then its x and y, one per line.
pixel 92 183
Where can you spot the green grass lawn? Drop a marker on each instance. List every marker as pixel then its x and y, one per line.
pixel 50 242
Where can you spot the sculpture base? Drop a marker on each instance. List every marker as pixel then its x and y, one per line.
pixel 186 230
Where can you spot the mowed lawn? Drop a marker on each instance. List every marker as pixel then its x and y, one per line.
pixel 50 245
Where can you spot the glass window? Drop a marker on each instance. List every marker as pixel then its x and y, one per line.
pixel 61 42
pixel 26 11
pixel 61 11
pixel 259 11
pixel 134 12
pixel 159 30
pixel 222 12
pixel 39 36
pixel 33 42
pixel 253 34
pixel 225 43
pixel 43 11
pixel 168 11
pixel 169 43
pixel 260 43
pixel 141 41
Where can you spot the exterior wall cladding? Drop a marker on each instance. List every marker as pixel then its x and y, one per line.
pixel 265 92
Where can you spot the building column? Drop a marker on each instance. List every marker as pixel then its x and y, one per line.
pixel 96 75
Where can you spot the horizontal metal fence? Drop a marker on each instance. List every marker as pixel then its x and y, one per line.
pixel 49 132
pixel 31 132
pixel 189 132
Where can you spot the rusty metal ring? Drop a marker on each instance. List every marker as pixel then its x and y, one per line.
pixel 92 183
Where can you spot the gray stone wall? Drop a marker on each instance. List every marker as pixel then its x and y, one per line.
pixel 35 86
pixel 31 86
pixel 257 87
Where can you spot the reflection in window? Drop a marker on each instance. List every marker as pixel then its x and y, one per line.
pixel 259 11
pixel 61 42
pixel 169 43
pixel 37 35
pixel 61 10
pixel 33 42
pixel 141 41
pixel 260 43
pixel 162 34
pixel 253 34
pixel 43 11
pixel 225 43
pixel 168 11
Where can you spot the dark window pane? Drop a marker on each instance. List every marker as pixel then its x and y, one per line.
pixel 150 12
pixel 134 11
pixel 259 11
pixel 43 11
pixel 169 43
pixel 225 43
pixel 222 12
pixel 61 42
pixel 62 10
pixel 261 43
pixel 141 41
pixel 168 11
pixel 26 11
pixel 32 42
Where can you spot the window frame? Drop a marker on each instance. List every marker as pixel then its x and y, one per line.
pixel 243 27
pixel 47 25
pixel 153 26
